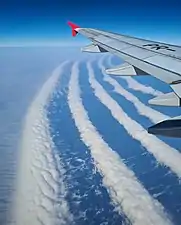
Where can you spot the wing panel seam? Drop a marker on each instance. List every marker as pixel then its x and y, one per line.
pixel 139 59
pixel 149 50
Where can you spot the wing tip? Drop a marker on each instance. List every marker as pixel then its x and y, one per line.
pixel 73 27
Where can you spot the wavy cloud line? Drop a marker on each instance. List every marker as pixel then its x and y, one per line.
pixel 135 85
pixel 162 152
pixel 126 192
pixel 142 109
pixel 40 192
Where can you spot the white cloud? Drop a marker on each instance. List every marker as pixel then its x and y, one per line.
pixel 125 191
pixel 39 182
pixel 134 84
pixel 142 109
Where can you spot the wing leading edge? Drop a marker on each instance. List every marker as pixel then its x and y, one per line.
pixel 142 57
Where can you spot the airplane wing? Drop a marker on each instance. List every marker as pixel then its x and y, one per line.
pixel 142 57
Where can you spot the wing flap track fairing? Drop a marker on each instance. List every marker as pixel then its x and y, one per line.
pixel 125 70
pixel 93 48
pixel 168 99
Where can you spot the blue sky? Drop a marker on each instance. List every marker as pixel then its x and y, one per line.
pixel 44 21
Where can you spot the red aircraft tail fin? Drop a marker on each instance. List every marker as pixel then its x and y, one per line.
pixel 73 27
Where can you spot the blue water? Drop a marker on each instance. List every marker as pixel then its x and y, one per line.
pixel 156 178
pixel 88 199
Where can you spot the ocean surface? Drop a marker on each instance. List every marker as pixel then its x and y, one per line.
pixel 74 146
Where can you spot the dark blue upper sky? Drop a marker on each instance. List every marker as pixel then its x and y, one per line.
pixel 36 21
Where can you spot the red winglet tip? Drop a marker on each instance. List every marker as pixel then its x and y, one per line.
pixel 73 27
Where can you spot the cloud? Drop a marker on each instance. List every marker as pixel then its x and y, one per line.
pixel 134 84
pixel 40 190
pixel 142 109
pixel 162 152
pixel 127 194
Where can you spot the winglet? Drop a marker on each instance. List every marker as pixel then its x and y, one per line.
pixel 73 27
